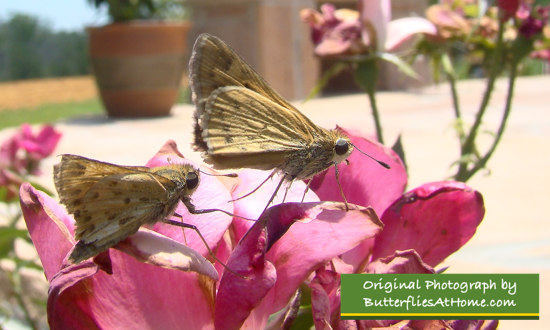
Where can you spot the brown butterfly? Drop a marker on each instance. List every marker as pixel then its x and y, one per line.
pixel 110 202
pixel 240 121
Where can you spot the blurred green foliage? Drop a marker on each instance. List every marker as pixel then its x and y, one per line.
pixel 30 49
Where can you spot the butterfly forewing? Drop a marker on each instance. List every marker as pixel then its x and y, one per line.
pixel 75 175
pixel 214 64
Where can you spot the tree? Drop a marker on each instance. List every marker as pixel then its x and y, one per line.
pixel 30 49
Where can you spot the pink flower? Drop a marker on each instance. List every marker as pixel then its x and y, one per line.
pixel 421 227
pixel 541 54
pixel 383 34
pixel 276 255
pixel 450 22
pixel 348 32
pixel 508 8
pixel 334 31
pixel 24 148
pixel 534 23
pixel 21 153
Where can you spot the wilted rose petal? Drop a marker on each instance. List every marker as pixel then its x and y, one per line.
pixel 435 220
pixel 48 224
pixel 364 181
pixel 473 324
pixel 325 298
pixel 334 31
pixel 401 262
pixel 345 38
pixel 155 249
pixel 449 23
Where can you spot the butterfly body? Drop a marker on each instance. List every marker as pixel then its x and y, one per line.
pixel 110 202
pixel 241 121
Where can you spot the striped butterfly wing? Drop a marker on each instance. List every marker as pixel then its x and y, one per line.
pixel 75 175
pixel 239 123
pixel 214 65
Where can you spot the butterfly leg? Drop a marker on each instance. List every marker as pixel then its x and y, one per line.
pixel 193 227
pixel 255 189
pixel 287 189
pixel 177 215
pixel 340 186
pixel 306 190
pixel 187 202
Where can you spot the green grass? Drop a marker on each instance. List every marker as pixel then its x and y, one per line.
pixel 48 113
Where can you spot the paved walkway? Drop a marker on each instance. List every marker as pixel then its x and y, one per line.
pixel 515 234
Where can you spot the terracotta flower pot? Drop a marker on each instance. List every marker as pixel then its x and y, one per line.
pixel 138 66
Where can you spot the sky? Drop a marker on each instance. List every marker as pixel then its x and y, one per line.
pixel 60 15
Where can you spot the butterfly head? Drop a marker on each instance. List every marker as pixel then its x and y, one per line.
pixel 342 148
pixel 191 180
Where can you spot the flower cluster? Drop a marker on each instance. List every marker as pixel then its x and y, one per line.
pixel 293 245
pixel 361 39
pixel 337 32
pixel 21 154
pixel 463 21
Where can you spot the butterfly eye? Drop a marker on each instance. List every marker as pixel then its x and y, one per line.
pixel 341 147
pixel 192 180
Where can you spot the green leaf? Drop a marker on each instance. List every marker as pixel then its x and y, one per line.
pixel 304 319
pixel 397 61
pixel 325 78
pixel 7 238
pixel 42 188
pixel 398 148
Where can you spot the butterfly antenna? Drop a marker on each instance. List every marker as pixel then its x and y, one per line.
pixel 376 160
pixel 231 175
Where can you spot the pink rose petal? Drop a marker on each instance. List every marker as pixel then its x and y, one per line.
pixel 155 249
pixel 364 181
pixel 322 232
pixel 135 296
pixel 237 296
pixel 47 223
pixel 252 206
pixel 435 220
pixel 375 14
pixel 401 30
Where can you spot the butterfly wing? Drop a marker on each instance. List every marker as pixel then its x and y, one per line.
pixel 214 65
pixel 239 124
pixel 116 206
pixel 75 175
